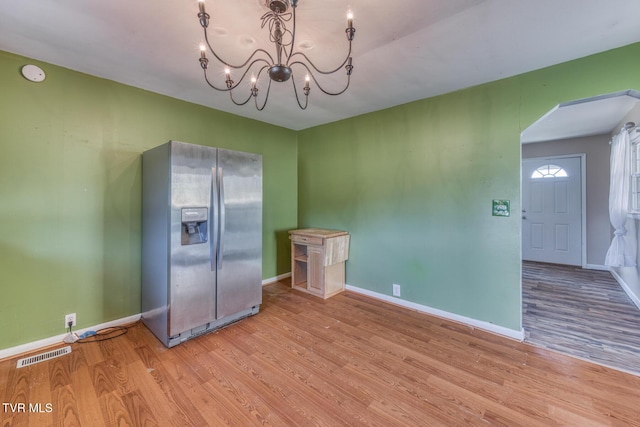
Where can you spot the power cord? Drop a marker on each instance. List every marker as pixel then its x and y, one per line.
pixel 105 334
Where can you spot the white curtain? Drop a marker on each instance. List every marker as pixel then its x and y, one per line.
pixel 622 252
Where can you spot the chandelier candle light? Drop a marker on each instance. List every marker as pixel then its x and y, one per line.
pixel 261 63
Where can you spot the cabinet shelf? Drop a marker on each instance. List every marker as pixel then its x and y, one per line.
pixel 301 285
pixel 301 258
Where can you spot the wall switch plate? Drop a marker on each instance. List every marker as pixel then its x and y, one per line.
pixel 69 318
pixel 396 290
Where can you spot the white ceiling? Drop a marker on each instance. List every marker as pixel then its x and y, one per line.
pixel 404 50
pixel 583 117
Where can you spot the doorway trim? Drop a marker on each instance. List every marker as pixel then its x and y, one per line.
pixel 583 204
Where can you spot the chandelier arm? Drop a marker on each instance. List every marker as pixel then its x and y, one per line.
pixel 206 78
pixel 318 84
pixel 206 38
pixel 316 68
pixel 239 103
pixel 264 67
pixel 295 91
pixel 255 61
pixel 266 98
pixel 332 93
pixel 228 89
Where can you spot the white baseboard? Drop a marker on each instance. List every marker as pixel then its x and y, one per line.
pixel 596 267
pixel 626 287
pixel 485 326
pixel 275 279
pixel 490 327
pixel 46 342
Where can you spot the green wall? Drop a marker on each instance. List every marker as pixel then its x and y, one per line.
pixel 414 185
pixel 70 192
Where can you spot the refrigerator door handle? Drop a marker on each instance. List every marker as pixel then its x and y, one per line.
pixel 213 229
pixel 223 209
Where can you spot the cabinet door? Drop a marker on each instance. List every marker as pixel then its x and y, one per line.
pixel 315 269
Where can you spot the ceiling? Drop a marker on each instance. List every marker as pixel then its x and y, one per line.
pixel 597 115
pixel 403 50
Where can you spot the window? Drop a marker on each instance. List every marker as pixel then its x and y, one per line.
pixel 549 171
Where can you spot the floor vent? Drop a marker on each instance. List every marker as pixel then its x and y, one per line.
pixel 43 357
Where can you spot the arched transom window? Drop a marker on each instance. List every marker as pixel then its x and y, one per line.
pixel 549 171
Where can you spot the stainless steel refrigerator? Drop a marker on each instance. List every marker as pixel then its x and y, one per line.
pixel 201 239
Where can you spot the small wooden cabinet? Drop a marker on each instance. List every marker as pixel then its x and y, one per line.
pixel 318 260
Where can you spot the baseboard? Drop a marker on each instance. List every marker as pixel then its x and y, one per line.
pixel 596 267
pixel 485 326
pixel 275 279
pixel 47 342
pixel 626 287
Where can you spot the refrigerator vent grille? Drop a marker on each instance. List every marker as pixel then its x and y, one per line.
pixel 32 360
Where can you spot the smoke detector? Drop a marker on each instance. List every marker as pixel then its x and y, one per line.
pixel 33 73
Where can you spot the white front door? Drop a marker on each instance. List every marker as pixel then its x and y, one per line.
pixel 552 210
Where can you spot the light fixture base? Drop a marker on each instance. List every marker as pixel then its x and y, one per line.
pixel 278 6
pixel 280 73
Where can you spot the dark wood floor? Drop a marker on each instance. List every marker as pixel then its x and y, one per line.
pixel 584 313
pixel 303 361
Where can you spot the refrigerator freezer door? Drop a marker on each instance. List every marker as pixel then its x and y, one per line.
pixel 240 260
pixel 192 301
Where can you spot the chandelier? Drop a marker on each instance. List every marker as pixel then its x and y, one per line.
pixel 261 65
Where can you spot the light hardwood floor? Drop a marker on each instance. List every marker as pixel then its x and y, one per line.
pixel 584 313
pixel 302 361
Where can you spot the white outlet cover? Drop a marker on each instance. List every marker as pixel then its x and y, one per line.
pixel 33 73
pixel 69 317
pixel 396 290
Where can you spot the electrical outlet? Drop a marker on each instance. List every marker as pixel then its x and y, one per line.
pixel 69 318
pixel 396 290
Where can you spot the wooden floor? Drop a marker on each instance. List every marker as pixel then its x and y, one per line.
pixel 584 313
pixel 303 361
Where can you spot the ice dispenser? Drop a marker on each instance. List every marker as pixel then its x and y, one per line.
pixel 194 225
